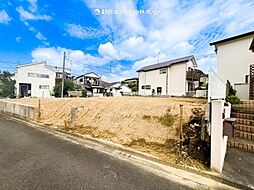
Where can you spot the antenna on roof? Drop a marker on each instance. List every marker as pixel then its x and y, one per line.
pixel 158 54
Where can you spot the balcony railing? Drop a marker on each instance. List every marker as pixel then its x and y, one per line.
pixel 192 75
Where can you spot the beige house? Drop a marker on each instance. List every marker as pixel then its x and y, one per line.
pixel 173 78
pixel 234 60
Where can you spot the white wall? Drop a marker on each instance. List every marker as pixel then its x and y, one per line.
pixel 234 59
pixel 176 86
pixel 242 90
pixel 218 140
pixel 21 76
pixel 20 110
pixel 153 78
pixel 124 89
pixel 177 80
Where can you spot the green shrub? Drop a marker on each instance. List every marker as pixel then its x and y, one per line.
pixel 84 93
pixel 167 119
pixel 232 92
pixel 233 99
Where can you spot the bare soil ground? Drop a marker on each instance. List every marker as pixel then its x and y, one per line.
pixel 139 122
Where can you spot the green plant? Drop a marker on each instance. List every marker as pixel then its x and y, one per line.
pixel 84 93
pixel 232 92
pixel 233 99
pixel 69 85
pixel 7 85
pixel 133 86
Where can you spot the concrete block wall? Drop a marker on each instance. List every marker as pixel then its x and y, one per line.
pixel 20 110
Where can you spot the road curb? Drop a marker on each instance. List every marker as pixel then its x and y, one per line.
pixel 126 152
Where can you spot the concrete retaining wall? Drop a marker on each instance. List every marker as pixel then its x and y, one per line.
pixel 20 110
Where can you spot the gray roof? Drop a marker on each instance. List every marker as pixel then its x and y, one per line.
pixel 233 38
pixel 168 63
pixel 252 45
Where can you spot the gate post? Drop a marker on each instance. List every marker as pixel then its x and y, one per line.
pixel 218 140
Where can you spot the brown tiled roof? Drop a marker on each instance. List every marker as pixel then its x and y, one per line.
pixel 167 63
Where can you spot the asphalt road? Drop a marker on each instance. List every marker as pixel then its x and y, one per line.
pixel 33 159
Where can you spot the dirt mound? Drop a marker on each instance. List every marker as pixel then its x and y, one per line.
pixel 120 119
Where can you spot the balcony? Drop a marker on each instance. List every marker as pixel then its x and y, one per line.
pixel 192 75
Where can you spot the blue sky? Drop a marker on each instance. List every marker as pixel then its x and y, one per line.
pixel 124 41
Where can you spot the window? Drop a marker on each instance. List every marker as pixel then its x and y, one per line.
pixel 163 71
pixel 37 75
pixel 148 87
pixel 246 79
pixel 81 80
pixel 43 86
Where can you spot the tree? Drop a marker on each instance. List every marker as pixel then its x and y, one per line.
pixel 69 85
pixel 133 86
pixel 7 85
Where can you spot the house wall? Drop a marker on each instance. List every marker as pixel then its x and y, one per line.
pixel 242 90
pixel 176 85
pixel 21 76
pixel 79 81
pixel 153 78
pixel 234 59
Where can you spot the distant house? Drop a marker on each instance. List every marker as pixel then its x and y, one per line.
pixel 173 78
pixel 119 89
pixel 92 83
pixel 131 80
pixel 37 79
pixel 234 61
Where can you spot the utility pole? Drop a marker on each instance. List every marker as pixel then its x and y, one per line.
pixel 63 75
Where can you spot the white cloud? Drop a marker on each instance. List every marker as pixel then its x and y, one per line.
pixel 4 17
pixel 25 15
pixel 187 28
pixel 208 62
pixel 33 5
pixel 77 31
pixel 108 50
pixel 76 59
pixel 120 25
pixel 39 36
pixel 18 39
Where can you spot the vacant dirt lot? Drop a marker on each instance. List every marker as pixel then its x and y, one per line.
pixel 119 119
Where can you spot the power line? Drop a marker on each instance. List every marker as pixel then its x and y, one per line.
pixel 2 61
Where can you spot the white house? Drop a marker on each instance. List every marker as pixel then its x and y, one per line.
pixel 119 89
pixel 92 83
pixel 37 79
pixel 234 60
pixel 174 78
